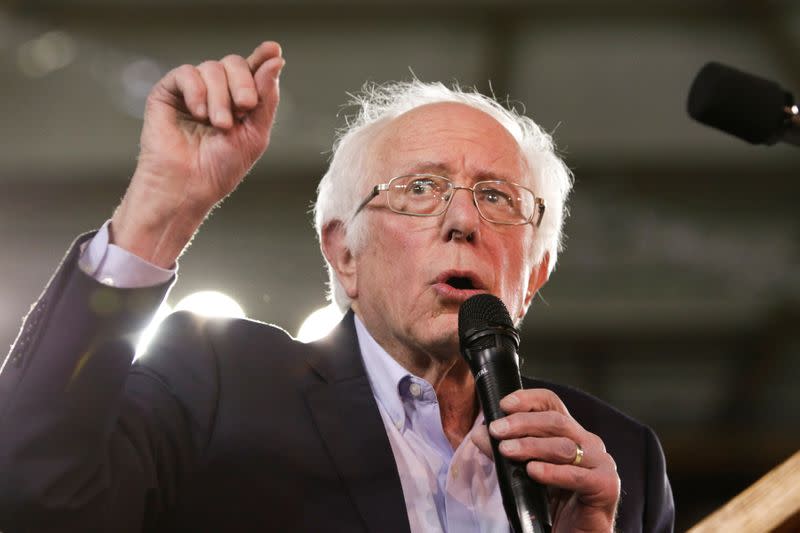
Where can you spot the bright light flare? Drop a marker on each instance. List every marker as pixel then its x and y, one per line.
pixel 319 323
pixel 211 303
pixel 206 303
pixel 149 332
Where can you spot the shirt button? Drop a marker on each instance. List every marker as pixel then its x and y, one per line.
pixel 415 390
pixel 107 281
pixel 455 472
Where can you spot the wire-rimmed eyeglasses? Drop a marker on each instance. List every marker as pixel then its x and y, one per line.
pixel 429 195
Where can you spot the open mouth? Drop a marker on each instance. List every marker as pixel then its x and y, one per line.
pixel 460 282
pixel 458 285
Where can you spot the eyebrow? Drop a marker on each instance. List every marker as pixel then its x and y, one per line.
pixel 435 167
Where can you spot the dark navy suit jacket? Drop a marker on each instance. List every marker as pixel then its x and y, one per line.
pixel 225 425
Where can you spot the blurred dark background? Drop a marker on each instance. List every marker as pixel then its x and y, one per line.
pixel 678 296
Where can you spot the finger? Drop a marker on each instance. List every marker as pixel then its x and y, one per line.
pixel 559 450
pixel 186 86
pixel 533 400
pixel 241 85
pixel 268 89
pixel 218 97
pixel 480 437
pixel 263 52
pixel 594 485
pixel 537 424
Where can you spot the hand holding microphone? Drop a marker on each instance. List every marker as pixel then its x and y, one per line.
pixel 535 442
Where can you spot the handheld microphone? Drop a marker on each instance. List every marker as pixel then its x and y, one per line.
pixel 754 109
pixel 489 343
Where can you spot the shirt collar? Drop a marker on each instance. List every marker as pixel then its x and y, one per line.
pixel 385 376
pixel 384 373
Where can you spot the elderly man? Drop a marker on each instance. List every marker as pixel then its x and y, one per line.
pixel 432 195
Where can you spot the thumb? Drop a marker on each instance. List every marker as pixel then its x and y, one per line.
pixel 480 438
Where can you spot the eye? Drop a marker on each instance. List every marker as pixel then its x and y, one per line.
pixel 496 197
pixel 422 186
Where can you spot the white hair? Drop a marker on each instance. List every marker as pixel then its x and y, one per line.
pixel 347 180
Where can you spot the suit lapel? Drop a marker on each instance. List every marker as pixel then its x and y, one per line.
pixel 346 415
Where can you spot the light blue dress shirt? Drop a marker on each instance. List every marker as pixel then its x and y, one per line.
pixel 445 490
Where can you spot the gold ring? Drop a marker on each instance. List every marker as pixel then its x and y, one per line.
pixel 578 455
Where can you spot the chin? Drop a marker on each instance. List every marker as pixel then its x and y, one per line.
pixel 443 338
pixel 443 324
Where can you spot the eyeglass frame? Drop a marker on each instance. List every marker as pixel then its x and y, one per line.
pixel 539 203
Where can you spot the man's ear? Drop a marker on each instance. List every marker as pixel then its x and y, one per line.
pixel 539 276
pixel 335 250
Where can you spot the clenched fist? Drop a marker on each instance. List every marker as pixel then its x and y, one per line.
pixel 204 128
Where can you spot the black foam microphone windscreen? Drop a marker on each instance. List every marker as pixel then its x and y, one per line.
pixel 738 103
pixel 479 312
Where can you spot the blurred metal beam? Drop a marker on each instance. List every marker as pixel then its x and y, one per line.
pixel 230 12
pixel 773 24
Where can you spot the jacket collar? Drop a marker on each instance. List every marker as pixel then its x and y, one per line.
pixel 346 415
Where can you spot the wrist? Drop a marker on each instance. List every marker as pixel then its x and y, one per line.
pixel 154 228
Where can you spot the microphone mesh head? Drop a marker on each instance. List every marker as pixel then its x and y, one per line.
pixel 482 311
pixel 738 103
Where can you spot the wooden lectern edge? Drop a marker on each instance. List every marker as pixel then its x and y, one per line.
pixel 771 504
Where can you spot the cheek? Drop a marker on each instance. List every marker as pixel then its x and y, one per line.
pixel 392 263
pixel 402 237
pixel 405 261
pixel 517 275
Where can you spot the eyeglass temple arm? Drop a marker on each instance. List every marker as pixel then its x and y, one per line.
pixel 541 205
pixel 376 190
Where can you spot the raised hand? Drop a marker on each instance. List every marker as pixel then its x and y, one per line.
pixel 204 128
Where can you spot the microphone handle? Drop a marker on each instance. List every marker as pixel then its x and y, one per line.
pixel 525 501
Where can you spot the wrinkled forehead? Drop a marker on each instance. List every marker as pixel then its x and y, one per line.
pixel 450 136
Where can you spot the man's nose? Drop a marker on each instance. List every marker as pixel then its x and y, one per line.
pixel 462 219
